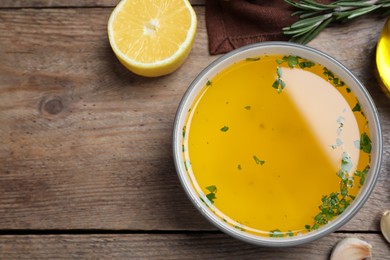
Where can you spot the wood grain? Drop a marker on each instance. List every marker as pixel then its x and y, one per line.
pixel 67 3
pixel 172 246
pixel 87 144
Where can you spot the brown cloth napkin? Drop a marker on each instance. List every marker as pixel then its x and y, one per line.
pixel 235 23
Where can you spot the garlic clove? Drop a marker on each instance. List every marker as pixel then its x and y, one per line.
pixel 385 225
pixel 352 249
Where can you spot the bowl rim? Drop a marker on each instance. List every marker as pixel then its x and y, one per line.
pixel 356 205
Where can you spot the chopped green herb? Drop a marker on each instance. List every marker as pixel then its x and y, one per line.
pixel 253 59
pixel 315 226
pixel 362 174
pixel 341 121
pixel 279 72
pixel 212 188
pixel 279 84
pixel 348 90
pixel 182 148
pixel 365 143
pixel 292 61
pixel 184 131
pixel 331 77
pixel 276 84
pixel 289 233
pixel 346 163
pixel 239 167
pixel 209 83
pixel 282 84
pixel 224 129
pixel 276 233
pixel 211 196
pixel 240 227
pixel 258 161
pixel 335 203
pixel 248 107
pixel 306 64
pixel 356 108
pixel 308 227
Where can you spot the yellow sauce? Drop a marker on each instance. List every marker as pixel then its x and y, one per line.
pixel 268 155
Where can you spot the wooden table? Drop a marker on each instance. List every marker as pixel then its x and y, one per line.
pixel 86 168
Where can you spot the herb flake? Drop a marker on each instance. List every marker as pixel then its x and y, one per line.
pixel 276 233
pixel 356 108
pixel 225 129
pixel 252 59
pixel 332 78
pixel 211 196
pixel 279 84
pixel 257 160
pixel 365 143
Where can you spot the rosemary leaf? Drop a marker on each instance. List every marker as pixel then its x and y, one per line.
pixel 314 16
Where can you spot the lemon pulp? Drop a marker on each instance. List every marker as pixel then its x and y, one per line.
pixel 152 37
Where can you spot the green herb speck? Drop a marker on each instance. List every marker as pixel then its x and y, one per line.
pixel 209 83
pixel 253 59
pixel 332 78
pixel 362 174
pixel 346 163
pixel 257 160
pixel 184 131
pixel 289 233
pixel 356 108
pixel 365 143
pixel 306 64
pixel 248 107
pixel 308 227
pixel 224 129
pixel 212 188
pixel 211 196
pixel 292 61
pixel 279 84
pixel 239 167
pixel 279 72
pixel 276 233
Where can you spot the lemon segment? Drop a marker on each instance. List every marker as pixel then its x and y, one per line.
pixel 383 56
pixel 152 37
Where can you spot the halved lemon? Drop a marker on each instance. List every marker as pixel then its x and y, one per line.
pixel 152 37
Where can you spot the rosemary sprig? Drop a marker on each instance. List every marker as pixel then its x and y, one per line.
pixel 314 16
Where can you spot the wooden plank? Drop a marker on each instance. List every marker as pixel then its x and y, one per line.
pixel 87 144
pixel 169 246
pixel 67 3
